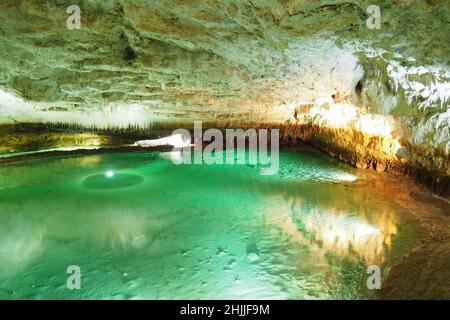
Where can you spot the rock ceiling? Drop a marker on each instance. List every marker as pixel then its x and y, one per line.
pixel 138 62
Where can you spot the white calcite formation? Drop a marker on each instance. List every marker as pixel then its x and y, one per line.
pixel 317 63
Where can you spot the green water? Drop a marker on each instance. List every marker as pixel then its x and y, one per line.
pixel 141 227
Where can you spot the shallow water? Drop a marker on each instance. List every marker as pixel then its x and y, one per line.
pixel 141 227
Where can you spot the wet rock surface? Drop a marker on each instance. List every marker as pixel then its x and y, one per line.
pixel 379 98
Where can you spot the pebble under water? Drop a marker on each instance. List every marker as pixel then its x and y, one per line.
pixel 141 227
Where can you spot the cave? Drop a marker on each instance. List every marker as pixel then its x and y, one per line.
pixel 231 150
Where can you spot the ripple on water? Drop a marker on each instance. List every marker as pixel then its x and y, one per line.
pixel 313 170
pixel 109 181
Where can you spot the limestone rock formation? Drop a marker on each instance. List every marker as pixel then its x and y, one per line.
pixel 375 97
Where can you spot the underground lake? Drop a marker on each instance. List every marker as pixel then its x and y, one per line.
pixel 195 154
pixel 139 226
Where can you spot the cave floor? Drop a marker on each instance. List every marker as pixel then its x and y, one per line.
pixel 140 227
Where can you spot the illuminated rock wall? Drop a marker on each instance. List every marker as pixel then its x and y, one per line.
pixel 377 98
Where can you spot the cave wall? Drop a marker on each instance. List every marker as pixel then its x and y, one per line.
pixel 377 98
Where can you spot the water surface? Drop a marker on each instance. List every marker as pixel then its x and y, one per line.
pixel 141 227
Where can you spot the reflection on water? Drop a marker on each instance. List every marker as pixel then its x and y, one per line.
pixel 157 230
pixel 124 231
pixel 332 230
pixel 21 240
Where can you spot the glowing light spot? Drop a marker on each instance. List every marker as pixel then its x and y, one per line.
pixel 109 174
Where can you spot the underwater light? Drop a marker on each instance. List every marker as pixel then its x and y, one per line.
pixel 111 180
pixel 109 174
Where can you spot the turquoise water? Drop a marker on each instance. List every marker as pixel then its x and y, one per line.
pixel 140 227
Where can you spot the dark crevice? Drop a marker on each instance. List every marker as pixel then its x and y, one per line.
pixel 128 53
pixel 358 88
